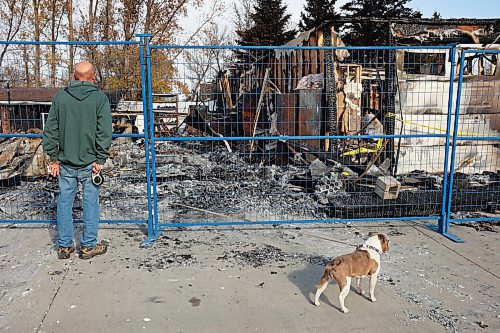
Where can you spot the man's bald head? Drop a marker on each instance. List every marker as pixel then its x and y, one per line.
pixel 84 71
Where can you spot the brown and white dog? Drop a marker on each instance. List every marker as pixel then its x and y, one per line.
pixel 365 261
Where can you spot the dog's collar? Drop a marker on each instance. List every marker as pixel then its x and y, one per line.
pixel 360 247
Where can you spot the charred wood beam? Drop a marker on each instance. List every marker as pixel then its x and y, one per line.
pixel 206 125
pixel 5 120
pixel 390 80
pixel 259 107
pixel 331 91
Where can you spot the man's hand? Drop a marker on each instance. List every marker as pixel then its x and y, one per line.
pixel 96 168
pixel 54 168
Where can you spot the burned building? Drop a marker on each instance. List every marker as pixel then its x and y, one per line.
pixel 307 90
pixel 333 100
pixel 24 108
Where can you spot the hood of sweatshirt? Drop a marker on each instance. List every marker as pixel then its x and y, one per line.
pixel 81 89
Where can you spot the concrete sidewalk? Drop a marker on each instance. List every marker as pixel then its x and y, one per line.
pixel 254 279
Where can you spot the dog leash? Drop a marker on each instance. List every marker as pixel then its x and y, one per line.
pixel 358 247
pixel 329 239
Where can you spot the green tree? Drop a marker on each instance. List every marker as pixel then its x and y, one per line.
pixel 269 19
pixel 372 32
pixel 316 11
pixel 436 15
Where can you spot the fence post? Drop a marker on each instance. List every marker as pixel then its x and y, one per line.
pixel 443 222
pixel 144 53
pixel 454 148
pixel 444 217
pixel 149 100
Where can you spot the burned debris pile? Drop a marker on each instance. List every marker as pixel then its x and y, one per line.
pixel 20 156
pixel 203 180
pixel 206 178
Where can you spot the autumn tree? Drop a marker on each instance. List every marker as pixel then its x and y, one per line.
pixel 121 20
pixel 369 32
pixel 12 16
pixel 71 31
pixel 118 65
pixel 204 64
pixel 242 11
pixel 37 18
pixel 316 11
pixel 56 11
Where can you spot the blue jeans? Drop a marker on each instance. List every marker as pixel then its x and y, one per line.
pixel 68 185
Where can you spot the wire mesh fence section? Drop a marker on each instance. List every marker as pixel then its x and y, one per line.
pixel 263 134
pixel 31 74
pixel 476 185
pixel 301 133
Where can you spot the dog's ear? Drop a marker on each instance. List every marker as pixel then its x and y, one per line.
pixel 384 242
pixel 372 233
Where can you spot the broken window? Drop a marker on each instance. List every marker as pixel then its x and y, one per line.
pixel 424 63
pixel 481 64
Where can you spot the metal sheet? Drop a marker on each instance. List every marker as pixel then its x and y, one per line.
pixel 309 115
pixel 286 122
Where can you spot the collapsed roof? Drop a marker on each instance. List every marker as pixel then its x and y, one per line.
pixel 426 31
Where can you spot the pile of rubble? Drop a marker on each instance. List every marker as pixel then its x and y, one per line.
pixel 203 181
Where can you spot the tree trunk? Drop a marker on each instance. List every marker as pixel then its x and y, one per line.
pixel 71 35
pixel 92 14
pixel 26 67
pixel 36 11
pixel 53 47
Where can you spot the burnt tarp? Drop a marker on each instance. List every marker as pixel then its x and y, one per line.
pixel 22 157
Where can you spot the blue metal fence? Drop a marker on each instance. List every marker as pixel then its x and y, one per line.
pixel 229 135
pixel 31 73
pixel 471 191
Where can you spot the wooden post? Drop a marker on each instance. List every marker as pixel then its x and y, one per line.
pixel 5 121
pixel 259 107
pixel 313 55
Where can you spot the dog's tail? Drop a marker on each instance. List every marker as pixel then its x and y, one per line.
pixel 336 262
pixel 329 273
pixel 333 267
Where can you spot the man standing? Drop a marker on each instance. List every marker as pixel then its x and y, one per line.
pixel 77 138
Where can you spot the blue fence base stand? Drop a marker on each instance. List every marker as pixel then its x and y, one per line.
pixel 149 241
pixel 448 235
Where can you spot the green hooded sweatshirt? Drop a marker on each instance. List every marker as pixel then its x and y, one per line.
pixel 78 129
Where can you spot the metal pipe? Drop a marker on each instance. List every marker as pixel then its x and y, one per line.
pixel 446 222
pixel 152 137
pixel 144 43
pixel 443 219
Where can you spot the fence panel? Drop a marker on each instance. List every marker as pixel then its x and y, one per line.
pixel 31 73
pixel 299 134
pixel 475 159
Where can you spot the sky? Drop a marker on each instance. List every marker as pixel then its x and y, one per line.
pixel 447 9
